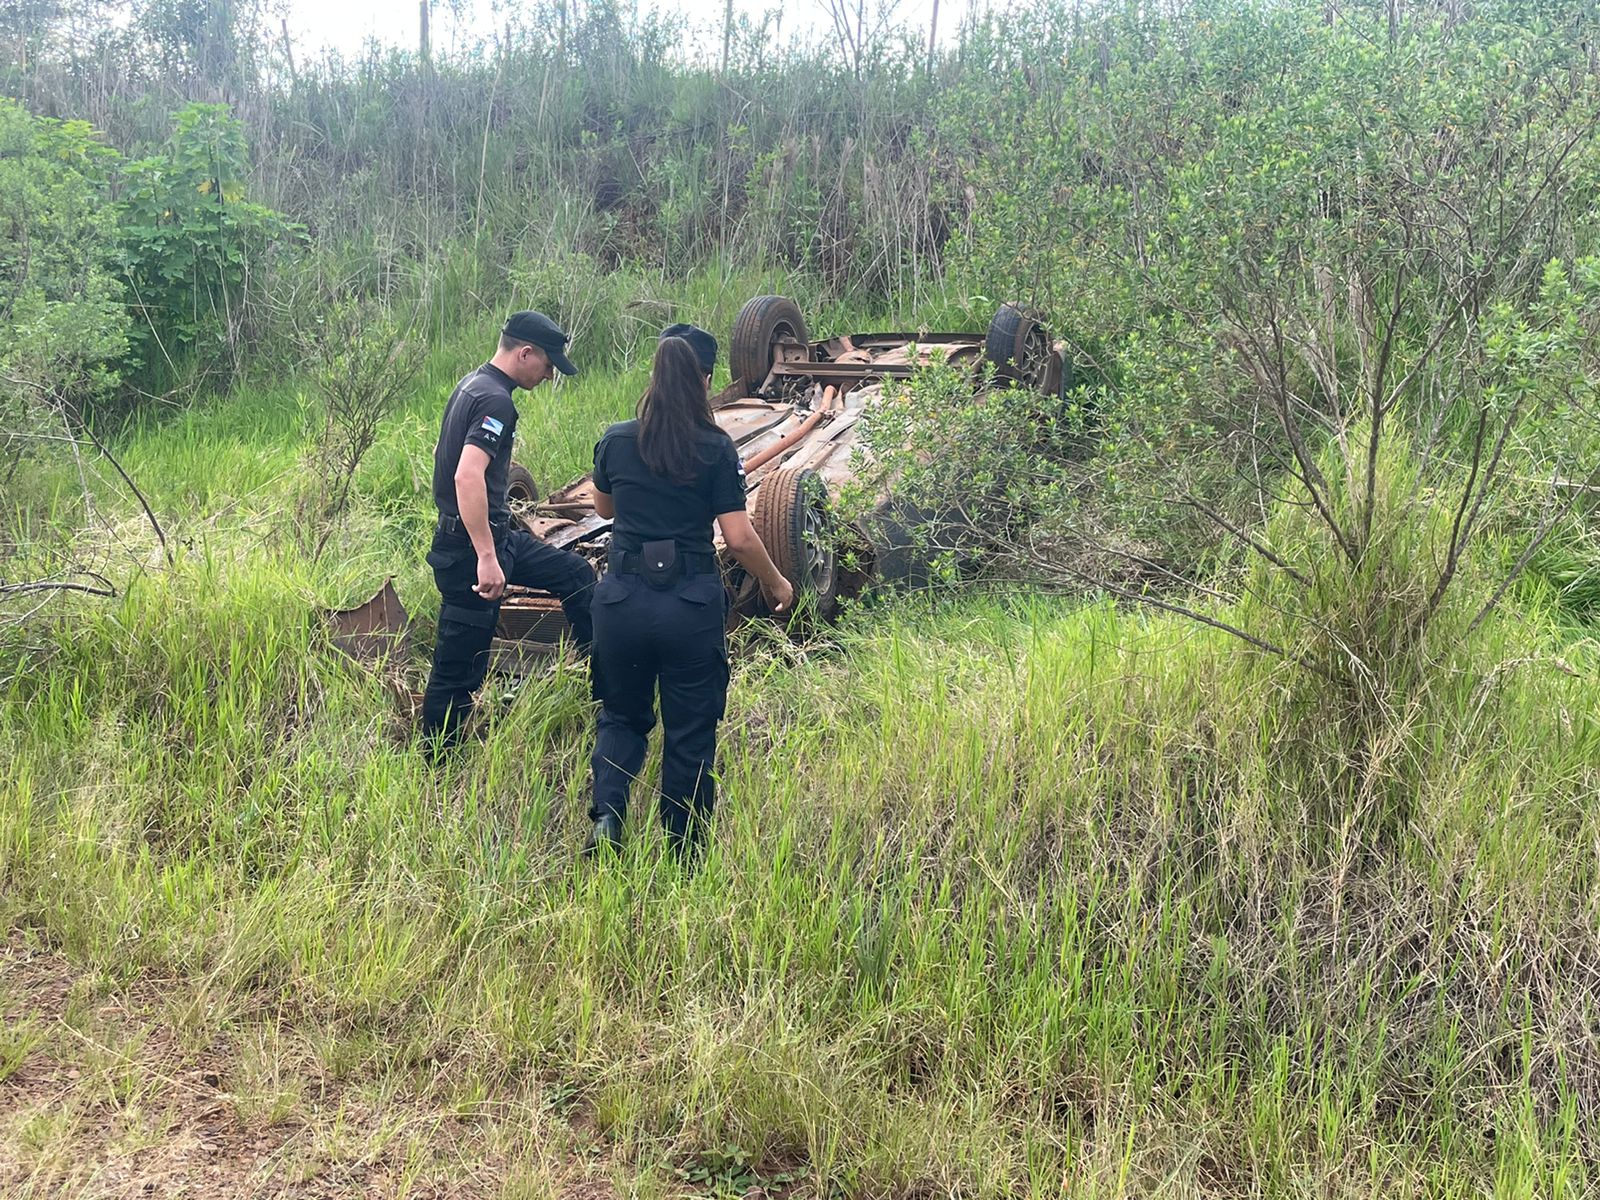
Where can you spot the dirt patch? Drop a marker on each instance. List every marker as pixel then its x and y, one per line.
pixel 102 1096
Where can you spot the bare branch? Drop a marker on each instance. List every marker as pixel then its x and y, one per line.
pixel 1378 409
pixel 1181 610
pixel 161 536
pixel 105 588
pixel 1258 546
pixel 1311 476
pixel 1453 552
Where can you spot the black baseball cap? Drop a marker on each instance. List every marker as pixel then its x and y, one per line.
pixel 535 327
pixel 701 342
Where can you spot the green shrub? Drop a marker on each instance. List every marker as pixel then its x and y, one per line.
pixel 60 299
pixel 194 247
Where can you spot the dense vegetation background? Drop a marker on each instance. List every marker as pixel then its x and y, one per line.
pixel 1263 861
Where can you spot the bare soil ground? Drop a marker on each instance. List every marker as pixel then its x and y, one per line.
pixel 103 1094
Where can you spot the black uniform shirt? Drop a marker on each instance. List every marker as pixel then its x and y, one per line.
pixel 653 508
pixel 480 413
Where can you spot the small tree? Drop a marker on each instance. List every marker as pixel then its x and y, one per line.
pixel 60 301
pixel 66 329
pixel 361 359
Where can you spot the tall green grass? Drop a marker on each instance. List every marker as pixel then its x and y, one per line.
pixel 1006 897
pixel 1003 899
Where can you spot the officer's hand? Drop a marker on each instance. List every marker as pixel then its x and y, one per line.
pixel 780 598
pixel 491 579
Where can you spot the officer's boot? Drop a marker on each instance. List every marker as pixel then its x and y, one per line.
pixel 606 836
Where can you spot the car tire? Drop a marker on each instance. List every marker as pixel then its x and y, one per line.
pixel 760 324
pixel 1019 347
pixel 792 517
pixel 522 494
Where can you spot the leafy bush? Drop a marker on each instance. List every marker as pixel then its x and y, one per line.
pixel 60 301
pixel 987 474
pixel 193 245
pixel 1259 262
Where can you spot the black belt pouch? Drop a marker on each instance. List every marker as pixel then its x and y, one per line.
pixel 658 563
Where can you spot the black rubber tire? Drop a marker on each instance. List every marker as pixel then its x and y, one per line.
pixel 792 518
pixel 1019 348
pixel 522 493
pixel 760 322
pixel 521 487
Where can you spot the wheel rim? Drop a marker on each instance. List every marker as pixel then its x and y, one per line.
pixel 817 535
pixel 1032 358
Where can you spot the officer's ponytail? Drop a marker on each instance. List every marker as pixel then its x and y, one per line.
pixel 674 409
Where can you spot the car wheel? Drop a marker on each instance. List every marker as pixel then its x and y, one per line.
pixel 1019 347
pixel 522 494
pixel 792 517
pixel 762 323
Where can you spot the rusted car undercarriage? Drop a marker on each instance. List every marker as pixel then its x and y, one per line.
pixel 792 410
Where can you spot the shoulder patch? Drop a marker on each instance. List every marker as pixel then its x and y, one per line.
pixel 493 427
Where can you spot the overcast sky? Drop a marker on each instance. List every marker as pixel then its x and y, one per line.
pixel 345 25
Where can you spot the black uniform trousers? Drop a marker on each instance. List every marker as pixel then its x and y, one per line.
pixel 467 621
pixel 675 637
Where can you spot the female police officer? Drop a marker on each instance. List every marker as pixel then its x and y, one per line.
pixel 660 610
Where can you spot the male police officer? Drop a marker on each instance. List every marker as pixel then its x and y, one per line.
pixel 476 551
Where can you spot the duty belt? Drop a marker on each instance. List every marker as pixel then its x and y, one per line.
pixel 631 562
pixel 452 526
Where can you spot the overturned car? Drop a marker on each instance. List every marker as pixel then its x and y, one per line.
pixel 792 410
